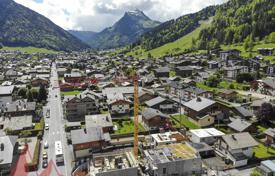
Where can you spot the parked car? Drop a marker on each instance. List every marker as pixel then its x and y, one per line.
pixel 45 163
pixel 46 145
pixel 45 155
pixel 46 126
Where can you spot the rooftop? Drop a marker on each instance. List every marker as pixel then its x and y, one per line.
pixel 199 103
pixel 207 132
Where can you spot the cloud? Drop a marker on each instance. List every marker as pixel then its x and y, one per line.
pixel 95 15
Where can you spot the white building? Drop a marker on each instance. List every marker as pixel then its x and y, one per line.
pixel 207 135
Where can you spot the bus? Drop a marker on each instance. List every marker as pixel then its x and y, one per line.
pixel 59 158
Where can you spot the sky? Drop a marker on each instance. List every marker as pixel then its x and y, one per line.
pixel 95 15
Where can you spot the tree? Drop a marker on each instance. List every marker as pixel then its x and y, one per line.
pixel 22 92
pixel 244 77
pixel 29 95
pixel 255 173
pixel 213 81
pixel 149 55
pixel 42 94
pixel 265 113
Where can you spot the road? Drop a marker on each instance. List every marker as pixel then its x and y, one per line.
pixel 56 130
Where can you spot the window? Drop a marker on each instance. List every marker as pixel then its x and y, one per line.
pixel 164 170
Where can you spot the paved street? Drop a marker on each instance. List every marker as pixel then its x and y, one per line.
pixel 56 131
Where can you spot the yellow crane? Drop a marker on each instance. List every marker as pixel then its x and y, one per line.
pixel 136 108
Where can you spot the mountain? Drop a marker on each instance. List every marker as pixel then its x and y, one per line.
pixel 172 30
pixel 84 36
pixel 125 31
pixel 20 26
pixel 239 20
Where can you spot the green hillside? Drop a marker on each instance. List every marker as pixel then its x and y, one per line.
pixel 29 50
pixel 179 46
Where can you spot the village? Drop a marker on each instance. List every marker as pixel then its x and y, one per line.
pixel 199 114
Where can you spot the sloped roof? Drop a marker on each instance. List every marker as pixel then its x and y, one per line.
pixel 239 140
pixel 199 103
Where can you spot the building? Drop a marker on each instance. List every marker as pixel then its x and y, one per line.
pixel 154 119
pixel 74 77
pixel 270 136
pixel 267 168
pixel 224 55
pixel 184 71
pixel 266 86
pixel 20 108
pixel 6 95
pixel 16 123
pixel 241 125
pixel 88 140
pixel 229 95
pixel 162 104
pixel 190 93
pixel 114 164
pixel 162 72
pixel 265 51
pixel 77 106
pixel 233 71
pixel 102 120
pixel 207 135
pixel 38 82
pixel 199 111
pixel 173 159
pixel 8 154
pixel 237 148
pixel 118 104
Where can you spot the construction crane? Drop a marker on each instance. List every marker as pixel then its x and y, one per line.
pixel 136 108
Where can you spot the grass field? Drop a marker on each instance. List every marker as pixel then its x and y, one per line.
pixel 29 50
pixel 177 120
pixel 126 126
pixel 75 92
pixel 254 52
pixel 222 85
pixel 262 151
pixel 175 47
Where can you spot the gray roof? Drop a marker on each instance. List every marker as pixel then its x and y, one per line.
pixel 270 132
pixel 8 143
pixel 195 90
pixel 239 125
pixel 239 140
pixel 92 134
pixel 6 90
pixel 20 105
pixel 154 101
pixel 199 103
pixel 244 112
pixel 149 113
pixel 16 123
pixel 270 82
pixel 101 120
pixel 162 69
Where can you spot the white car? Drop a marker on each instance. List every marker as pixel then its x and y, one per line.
pixel 46 145
pixel 46 126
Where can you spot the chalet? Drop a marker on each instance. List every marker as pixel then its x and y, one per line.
pixel 224 55
pixel 229 95
pixel 201 76
pixel 38 82
pixel 237 147
pixel 162 72
pixel 92 139
pixel 267 168
pixel 190 93
pixel 265 51
pixel 6 95
pixel 243 112
pixel 266 86
pixel 76 107
pixel 74 77
pixel 162 104
pixel 145 96
pixel 154 119
pixel 118 104
pixel 270 136
pixel 21 108
pixel 184 71
pixel 213 64
pixel 199 111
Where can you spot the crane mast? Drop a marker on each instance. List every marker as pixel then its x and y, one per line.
pixel 136 108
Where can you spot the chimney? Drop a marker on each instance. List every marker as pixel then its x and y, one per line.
pixel 85 130
pixel 233 137
pixel 198 99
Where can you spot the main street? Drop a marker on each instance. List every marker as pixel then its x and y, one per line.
pixel 56 131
